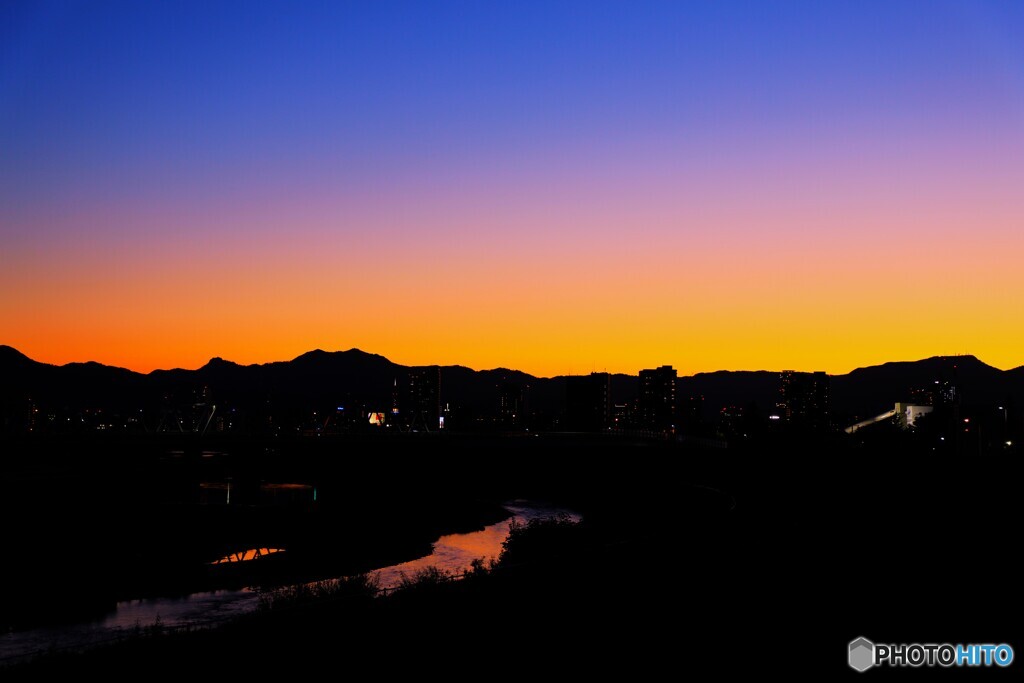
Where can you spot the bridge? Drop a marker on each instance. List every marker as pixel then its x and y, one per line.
pixel 907 414
pixel 887 415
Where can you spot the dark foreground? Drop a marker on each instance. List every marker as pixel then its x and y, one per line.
pixel 693 561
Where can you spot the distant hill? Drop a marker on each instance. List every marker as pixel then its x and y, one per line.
pixel 320 380
pixel 871 390
pixel 728 388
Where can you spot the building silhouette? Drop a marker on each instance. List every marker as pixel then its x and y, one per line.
pixel 804 399
pixel 657 400
pixel 732 422
pixel 691 413
pixel 946 419
pixel 623 415
pixel 420 407
pixel 587 404
pixel 511 404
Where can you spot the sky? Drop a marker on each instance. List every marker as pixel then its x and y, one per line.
pixel 557 187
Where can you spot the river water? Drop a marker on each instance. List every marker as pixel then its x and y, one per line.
pixel 452 553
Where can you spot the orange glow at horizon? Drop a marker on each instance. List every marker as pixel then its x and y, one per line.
pixel 727 272
pixel 627 299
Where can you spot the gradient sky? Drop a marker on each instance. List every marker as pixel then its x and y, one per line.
pixel 555 187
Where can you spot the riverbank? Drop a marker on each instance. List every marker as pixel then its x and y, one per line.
pixel 318 544
pixel 102 521
pixel 451 555
pixel 569 600
pixel 395 497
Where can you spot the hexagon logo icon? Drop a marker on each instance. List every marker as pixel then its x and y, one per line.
pixel 862 654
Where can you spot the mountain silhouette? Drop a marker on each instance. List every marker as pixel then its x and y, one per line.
pixel 326 380
pixel 865 390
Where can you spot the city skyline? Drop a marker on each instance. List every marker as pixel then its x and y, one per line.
pixel 559 189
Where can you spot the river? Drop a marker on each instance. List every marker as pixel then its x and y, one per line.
pixel 452 553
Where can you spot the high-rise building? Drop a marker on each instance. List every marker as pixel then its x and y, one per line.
pixel 657 399
pixel 510 404
pixel 587 407
pixel 804 399
pixel 421 409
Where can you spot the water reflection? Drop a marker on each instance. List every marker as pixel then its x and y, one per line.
pixel 248 555
pixel 453 553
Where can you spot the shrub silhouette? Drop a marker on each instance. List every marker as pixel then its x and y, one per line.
pixel 360 587
pixel 540 539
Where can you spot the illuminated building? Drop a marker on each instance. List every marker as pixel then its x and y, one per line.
pixel 804 399
pixel 657 399
pixel 510 404
pixel 421 409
